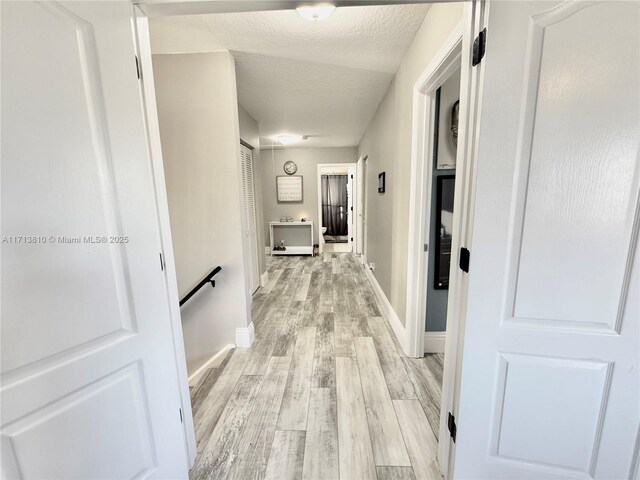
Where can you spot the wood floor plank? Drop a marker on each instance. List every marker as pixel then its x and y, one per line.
pixel 200 391
pixel 257 437
pixel 209 412
pixel 427 388
pixel 321 446
pixel 421 443
pixel 355 453
pixel 343 337
pixel 274 276
pixel 220 452
pixel 287 456
pixel 293 412
pixel 303 287
pixel 386 438
pixel 395 473
pixel 326 289
pixel 400 386
pixel 323 373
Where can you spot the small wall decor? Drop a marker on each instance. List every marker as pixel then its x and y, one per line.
pixel 444 222
pixel 289 188
pixel 455 115
pixel 444 153
pixel 381 182
pixel 290 168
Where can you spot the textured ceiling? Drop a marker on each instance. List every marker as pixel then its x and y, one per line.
pixel 324 79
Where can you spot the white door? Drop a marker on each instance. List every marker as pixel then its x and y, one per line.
pixel 249 217
pixel 550 375
pixel 89 383
pixel 359 206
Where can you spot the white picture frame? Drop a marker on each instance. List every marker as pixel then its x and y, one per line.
pixel 289 188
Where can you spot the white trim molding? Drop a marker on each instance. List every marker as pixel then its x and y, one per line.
pixel 434 342
pixel 387 310
pixel 264 279
pixel 245 336
pixel 195 376
pixel 443 65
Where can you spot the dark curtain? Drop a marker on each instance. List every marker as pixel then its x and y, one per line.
pixel 334 204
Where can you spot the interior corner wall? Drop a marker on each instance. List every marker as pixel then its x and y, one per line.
pixel 307 160
pixel 387 143
pixel 250 134
pixel 198 117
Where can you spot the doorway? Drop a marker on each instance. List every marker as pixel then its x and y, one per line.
pixel 441 211
pixel 336 228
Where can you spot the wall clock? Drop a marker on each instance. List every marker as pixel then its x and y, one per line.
pixel 290 168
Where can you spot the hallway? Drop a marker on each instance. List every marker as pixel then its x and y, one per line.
pixel 324 392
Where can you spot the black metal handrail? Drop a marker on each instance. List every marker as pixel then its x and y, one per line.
pixel 205 280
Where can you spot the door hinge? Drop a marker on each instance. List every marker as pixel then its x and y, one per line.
pixel 451 424
pixel 352 239
pixel 351 177
pixel 465 257
pixel 352 209
pixel 426 247
pixel 138 69
pixel 181 420
pixel 479 46
pixel 161 262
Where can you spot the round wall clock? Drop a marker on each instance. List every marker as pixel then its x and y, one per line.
pixel 290 168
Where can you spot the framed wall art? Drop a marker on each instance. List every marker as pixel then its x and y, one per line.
pixel 289 188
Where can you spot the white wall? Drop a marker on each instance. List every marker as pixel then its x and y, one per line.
pixel 387 142
pixel 198 115
pixel 250 134
pixel 307 160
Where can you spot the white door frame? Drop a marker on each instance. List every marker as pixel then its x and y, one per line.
pixel 444 64
pixel 148 95
pixel 351 172
pixel 455 53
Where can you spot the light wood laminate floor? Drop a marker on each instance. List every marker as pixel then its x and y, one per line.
pixel 325 392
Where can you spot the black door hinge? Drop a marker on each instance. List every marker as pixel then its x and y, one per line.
pixel 451 424
pixel 138 71
pixel 352 239
pixel 465 256
pixel 161 262
pixel 181 420
pixel 351 177
pixel 479 46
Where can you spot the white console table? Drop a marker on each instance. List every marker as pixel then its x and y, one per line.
pixel 300 232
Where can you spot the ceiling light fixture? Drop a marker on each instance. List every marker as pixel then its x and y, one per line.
pixel 288 139
pixel 316 13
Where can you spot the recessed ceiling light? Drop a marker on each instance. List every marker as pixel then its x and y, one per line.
pixel 316 13
pixel 287 139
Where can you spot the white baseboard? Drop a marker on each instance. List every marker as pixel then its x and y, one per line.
pixel 264 279
pixel 195 376
pixel 245 336
pixel 434 342
pixel 387 310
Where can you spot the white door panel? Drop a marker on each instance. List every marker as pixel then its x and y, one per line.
pixel 549 379
pixel 89 379
pixel 249 217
